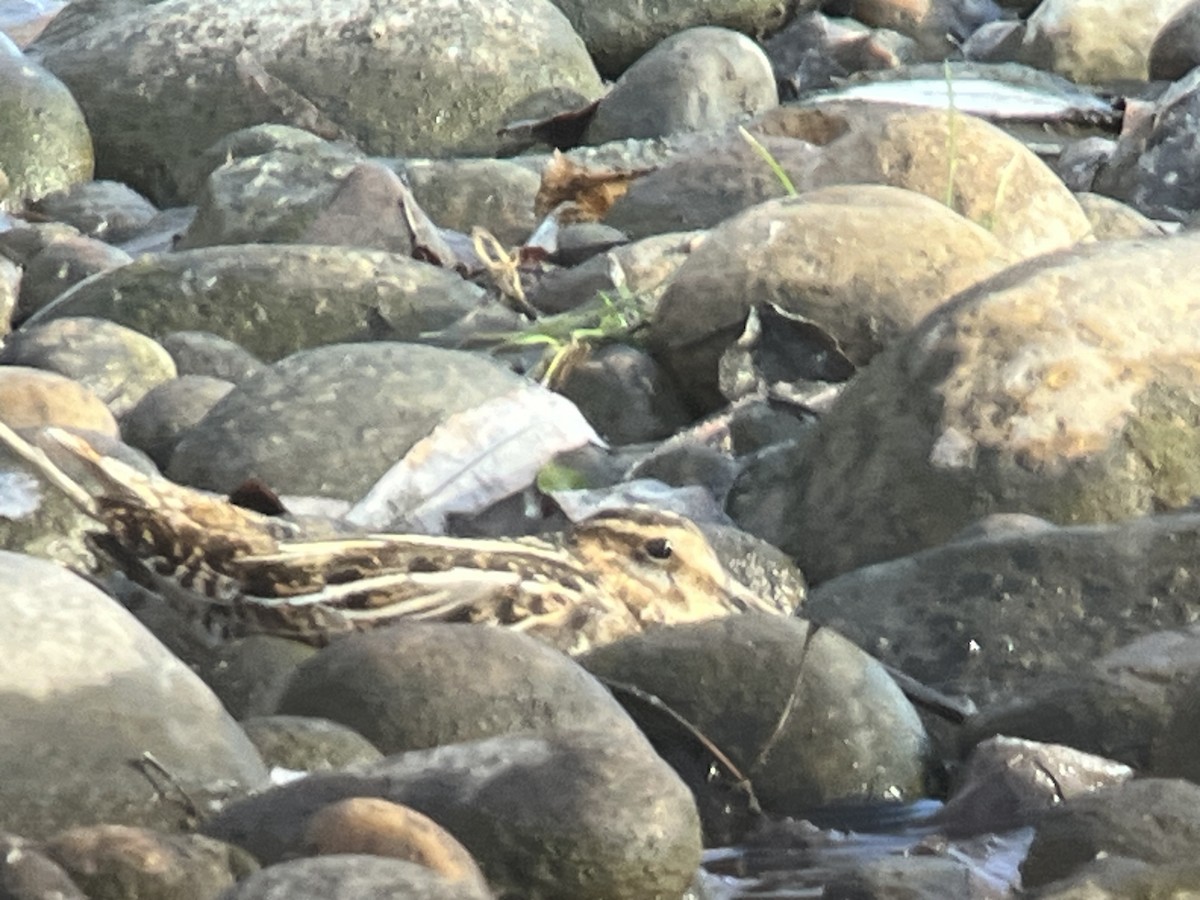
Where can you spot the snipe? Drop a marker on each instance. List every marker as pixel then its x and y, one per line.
pixel 242 572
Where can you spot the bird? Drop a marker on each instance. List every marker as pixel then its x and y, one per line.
pixel 235 572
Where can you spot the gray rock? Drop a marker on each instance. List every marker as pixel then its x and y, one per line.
pixel 695 80
pixel 1113 220
pixel 617 33
pixel 1153 820
pixel 998 183
pixel 837 259
pixel 257 140
pixel 696 190
pixel 168 411
pixel 586 815
pixel 250 674
pixel 119 365
pixel 409 687
pixel 1153 165
pixel 916 877
pixel 86 691
pixel 625 395
pixel 807 717
pixel 1175 52
pixel 27 873
pixel 1007 783
pixel 60 265
pixel 36 398
pixel 459 71
pixel 116 861
pixel 45 145
pixel 1056 388
pixel 1094 41
pixel 274 299
pixel 641 269
pixel 10 286
pixel 1118 877
pixel 306 744
pixel 269 198
pixel 349 877
pixel 381 828
pixel 989 617
pixel 347 413
pixel 106 210
pixel 495 194
pixel 204 353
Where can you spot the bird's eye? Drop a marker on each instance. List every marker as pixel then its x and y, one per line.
pixel 658 548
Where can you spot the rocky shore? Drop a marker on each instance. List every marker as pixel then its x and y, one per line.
pixel 894 300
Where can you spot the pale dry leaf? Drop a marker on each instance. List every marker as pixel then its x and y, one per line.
pixel 474 459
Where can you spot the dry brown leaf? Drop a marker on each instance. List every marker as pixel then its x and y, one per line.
pixel 592 189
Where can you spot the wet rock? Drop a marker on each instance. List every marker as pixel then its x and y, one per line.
pixel 1153 820
pixel 307 744
pixel 1153 165
pixel 45 145
pixel 374 826
pixel 105 210
pixel 166 413
pixel 695 80
pixel 1092 41
pixel 807 717
pixel 408 687
pixel 616 34
pixel 86 691
pixel 833 259
pixel 274 299
pixel 118 364
pixel 348 412
pixel 1046 389
pixel 618 823
pixel 1174 51
pixel 990 616
pixel 339 70
pixel 349 877
pixel 36 398
pixel 60 265
pixel 115 862
pixel 204 353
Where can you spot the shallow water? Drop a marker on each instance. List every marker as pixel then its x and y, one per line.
pixel 797 860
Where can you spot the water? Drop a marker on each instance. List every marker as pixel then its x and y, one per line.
pixel 793 860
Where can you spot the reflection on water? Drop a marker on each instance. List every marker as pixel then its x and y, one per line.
pixel 797 859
